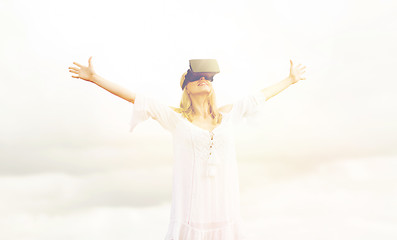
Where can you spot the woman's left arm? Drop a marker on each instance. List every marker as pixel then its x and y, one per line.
pixel 295 75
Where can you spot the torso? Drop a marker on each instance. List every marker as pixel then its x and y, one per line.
pixel 205 124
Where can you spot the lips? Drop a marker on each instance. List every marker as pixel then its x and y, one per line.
pixel 202 83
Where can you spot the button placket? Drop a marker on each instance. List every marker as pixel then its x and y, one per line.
pixel 212 161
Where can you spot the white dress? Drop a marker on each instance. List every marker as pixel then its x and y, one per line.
pixel 205 190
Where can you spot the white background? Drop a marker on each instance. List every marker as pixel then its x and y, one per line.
pixel 320 163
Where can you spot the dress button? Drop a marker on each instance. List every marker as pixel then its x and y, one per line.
pixel 212 159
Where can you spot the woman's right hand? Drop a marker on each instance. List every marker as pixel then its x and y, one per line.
pixel 85 73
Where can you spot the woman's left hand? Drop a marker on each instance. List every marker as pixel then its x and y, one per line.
pixel 295 73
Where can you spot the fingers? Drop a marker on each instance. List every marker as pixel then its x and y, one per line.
pixel 74 70
pixel 298 65
pixel 302 70
pixel 299 69
pixel 78 64
pixel 89 61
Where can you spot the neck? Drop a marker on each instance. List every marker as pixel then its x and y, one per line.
pixel 200 106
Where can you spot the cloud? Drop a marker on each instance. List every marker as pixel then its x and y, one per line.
pixel 59 193
pixel 344 199
pixel 101 223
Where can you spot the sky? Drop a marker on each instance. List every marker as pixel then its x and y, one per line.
pixel 320 159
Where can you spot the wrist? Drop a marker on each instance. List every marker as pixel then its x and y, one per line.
pixel 95 78
pixel 290 80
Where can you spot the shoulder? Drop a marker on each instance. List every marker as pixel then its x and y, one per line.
pixel 226 108
pixel 175 109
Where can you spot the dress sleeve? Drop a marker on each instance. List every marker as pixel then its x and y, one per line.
pixel 146 107
pixel 247 108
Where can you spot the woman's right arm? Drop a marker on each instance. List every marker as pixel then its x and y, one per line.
pixel 88 74
pixel 114 88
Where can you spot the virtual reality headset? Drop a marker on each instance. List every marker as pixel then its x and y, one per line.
pixel 200 68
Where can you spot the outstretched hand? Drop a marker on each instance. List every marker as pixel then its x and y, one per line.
pixel 295 73
pixel 84 72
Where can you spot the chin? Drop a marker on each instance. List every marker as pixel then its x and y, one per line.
pixel 204 92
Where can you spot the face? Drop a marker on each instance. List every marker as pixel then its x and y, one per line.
pixel 200 86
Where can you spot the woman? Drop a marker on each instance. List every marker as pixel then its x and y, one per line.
pixel 205 193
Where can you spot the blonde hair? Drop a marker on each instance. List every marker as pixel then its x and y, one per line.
pixel 186 106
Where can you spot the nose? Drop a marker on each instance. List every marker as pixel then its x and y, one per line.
pixel 203 78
